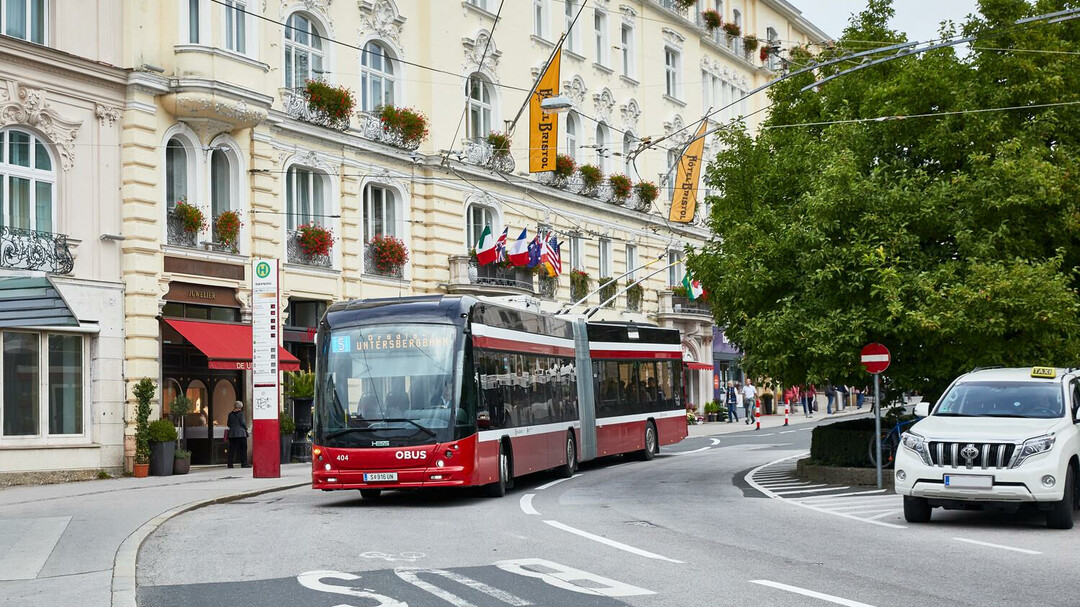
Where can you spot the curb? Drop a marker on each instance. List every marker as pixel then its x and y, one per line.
pixel 123 573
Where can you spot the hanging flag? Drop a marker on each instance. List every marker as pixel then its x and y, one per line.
pixel 500 246
pixel 693 287
pixel 549 256
pixel 485 248
pixel 518 251
pixel 544 126
pixel 684 202
pixel 535 245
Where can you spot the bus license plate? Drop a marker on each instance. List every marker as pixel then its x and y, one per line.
pixel 968 481
pixel 379 477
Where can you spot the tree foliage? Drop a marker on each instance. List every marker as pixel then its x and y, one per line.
pixel 952 238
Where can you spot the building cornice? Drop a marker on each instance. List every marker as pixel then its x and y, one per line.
pixel 45 60
pixel 796 18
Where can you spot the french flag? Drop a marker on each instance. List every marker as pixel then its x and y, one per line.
pixel 518 251
pixel 549 256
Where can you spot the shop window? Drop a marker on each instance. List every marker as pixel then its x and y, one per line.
pixel 33 362
pixel 304 313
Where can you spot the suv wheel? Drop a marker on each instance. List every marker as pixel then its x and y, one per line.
pixel 1060 515
pixel 916 509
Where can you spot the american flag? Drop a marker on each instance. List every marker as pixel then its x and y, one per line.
pixel 549 256
pixel 500 245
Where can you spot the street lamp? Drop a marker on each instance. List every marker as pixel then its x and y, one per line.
pixel 556 105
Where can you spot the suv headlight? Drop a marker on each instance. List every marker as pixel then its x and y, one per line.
pixel 1032 446
pixel 915 442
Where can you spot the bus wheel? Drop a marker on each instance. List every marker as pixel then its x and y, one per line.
pixel 370 494
pixel 652 444
pixel 498 488
pixel 567 470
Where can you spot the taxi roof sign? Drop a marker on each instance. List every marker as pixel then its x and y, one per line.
pixel 1047 372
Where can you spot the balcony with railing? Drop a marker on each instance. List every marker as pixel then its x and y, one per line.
pixel 296 253
pixel 468 277
pixel 603 192
pixel 371 266
pixel 295 103
pixel 24 249
pixel 676 6
pixel 177 234
pixel 482 153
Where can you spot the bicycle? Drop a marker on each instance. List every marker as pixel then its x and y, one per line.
pixel 890 443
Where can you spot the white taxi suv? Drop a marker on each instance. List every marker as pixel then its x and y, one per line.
pixel 998 439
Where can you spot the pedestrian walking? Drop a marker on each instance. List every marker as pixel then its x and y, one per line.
pixel 830 397
pixel 749 395
pixel 732 402
pixel 238 435
pixel 860 394
pixel 807 395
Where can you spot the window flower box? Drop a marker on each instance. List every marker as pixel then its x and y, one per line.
pixel 227 229
pixel 579 284
pixel 388 255
pixel 336 102
pixel 405 127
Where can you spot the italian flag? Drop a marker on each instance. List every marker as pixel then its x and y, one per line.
pixel 486 252
pixel 693 287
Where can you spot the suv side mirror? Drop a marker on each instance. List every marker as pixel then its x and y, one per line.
pixel 922 409
pixel 1078 414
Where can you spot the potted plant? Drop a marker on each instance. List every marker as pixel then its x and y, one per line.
pixel 162 438
pixel 711 409
pixel 407 124
pixel 691 414
pixel 732 30
pixel 685 3
pixel 300 387
pixel 227 228
pixel 711 19
pixel 178 408
pixel 500 144
pixel 144 392
pixel 190 215
pixel 181 461
pixel 336 102
pixel 388 253
pixel 621 186
pixel 314 239
pixel 591 176
pixel 286 428
pixel 608 286
pixel 564 166
pixel 750 44
pixel 647 192
pixel 634 294
pixel 766 50
pixel 579 284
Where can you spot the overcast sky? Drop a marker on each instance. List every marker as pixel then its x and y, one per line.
pixel 918 18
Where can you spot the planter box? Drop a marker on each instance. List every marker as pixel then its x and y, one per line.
pixel 161 458
pixel 181 466
pixel 286 448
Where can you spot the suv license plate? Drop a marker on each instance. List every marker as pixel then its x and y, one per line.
pixel 379 477
pixel 969 481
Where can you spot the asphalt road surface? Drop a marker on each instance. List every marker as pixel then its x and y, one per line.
pixel 711 521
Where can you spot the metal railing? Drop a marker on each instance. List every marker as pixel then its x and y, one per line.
pixel 177 234
pixel 371 127
pixel 33 250
pixel 296 104
pixel 297 254
pixel 370 267
pixel 482 153
pixel 492 274
pixel 683 305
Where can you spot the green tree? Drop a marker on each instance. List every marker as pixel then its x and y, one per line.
pixel 951 238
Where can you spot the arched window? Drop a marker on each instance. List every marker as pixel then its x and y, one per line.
pixel 627 147
pixel 573 126
pixel 306 193
pixel 224 190
pixel 303 51
pixel 480 107
pixel 672 164
pixel 28 181
pixel 177 173
pixel 380 212
pixel 376 77
pixel 478 217
pixel 602 151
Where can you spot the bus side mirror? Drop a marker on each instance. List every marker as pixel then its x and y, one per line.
pixel 922 409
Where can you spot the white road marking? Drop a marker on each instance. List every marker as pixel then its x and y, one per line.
pixel 804 485
pixel 412 576
pixel 868 505
pixel 810 593
pixel 884 514
pixel 526 504
pixel 794 491
pixel 567 578
pixel 788 431
pixel 612 543
pixel 689 452
pixel 714 441
pixel 989 545
pixel 825 497
pixel 557 481
pixel 25 559
pixel 313 580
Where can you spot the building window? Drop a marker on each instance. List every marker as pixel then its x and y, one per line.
pixel 57 368
pixel 303 51
pixel 577 253
pixel 675 272
pixel 480 4
pixel 605 258
pixel 376 77
pixel 631 262
pixel 480 107
pixel 539 18
pixel 736 18
pixel 627 46
pixel 601 146
pixel 600 34
pixel 571 33
pixel 236 26
pixel 773 41
pixel 627 147
pixel 573 125
pixel 193 21
pixel 671 72
pixel 305 192
pixel 27 182
pixel 478 217
pixel 24 19
pixel 380 212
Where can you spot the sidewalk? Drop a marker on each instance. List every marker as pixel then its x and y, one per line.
pixel 76 543
pixel 772 421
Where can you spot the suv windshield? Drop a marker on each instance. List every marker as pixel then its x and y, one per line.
pixel 382 383
pixel 1039 400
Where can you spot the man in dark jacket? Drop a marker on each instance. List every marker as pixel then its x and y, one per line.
pixel 238 434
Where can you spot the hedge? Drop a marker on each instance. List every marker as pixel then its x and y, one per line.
pixel 842 443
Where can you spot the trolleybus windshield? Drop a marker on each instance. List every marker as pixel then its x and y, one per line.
pixel 381 385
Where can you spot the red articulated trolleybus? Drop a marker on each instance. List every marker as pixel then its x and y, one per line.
pixel 455 391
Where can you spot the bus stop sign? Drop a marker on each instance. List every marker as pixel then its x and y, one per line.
pixel 874 358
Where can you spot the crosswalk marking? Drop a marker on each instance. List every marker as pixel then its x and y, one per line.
pixel 27 556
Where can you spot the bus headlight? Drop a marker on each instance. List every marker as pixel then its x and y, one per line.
pixel 916 443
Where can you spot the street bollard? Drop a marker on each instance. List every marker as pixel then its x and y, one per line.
pixel 757 415
pixel 786 412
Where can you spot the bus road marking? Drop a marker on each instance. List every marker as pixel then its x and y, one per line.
pixel 714 442
pixel 412 576
pixel 612 543
pixel 556 482
pixel 810 593
pixel 526 504
pixel 989 545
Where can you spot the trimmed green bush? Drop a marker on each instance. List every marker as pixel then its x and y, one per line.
pixel 842 443
pixel 162 431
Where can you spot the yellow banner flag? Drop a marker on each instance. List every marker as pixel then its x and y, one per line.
pixel 684 202
pixel 544 127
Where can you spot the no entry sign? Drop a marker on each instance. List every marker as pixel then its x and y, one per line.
pixel 874 358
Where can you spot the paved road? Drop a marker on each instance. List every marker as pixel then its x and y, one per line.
pixel 692 527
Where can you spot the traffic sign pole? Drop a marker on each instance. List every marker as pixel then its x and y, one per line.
pixel 877 427
pixel 265 327
pixel 875 359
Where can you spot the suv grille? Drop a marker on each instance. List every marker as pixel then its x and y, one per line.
pixel 990 455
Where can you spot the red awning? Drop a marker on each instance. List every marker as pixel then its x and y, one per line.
pixel 699 366
pixel 226 345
